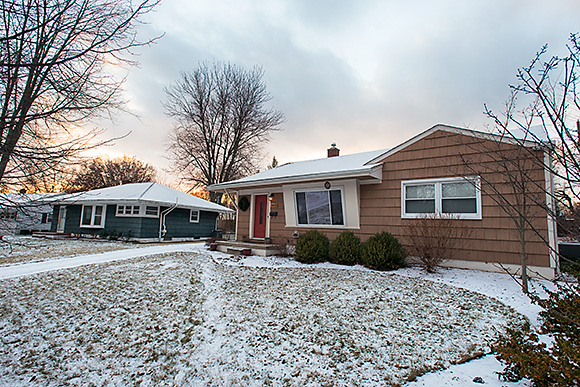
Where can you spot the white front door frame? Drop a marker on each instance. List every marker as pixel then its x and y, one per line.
pixel 61 219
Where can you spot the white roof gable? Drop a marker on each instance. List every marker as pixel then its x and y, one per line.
pixel 330 167
pixel 148 193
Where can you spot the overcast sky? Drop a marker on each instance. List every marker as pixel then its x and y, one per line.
pixel 364 74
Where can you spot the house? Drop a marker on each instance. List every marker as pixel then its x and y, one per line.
pixel 440 171
pixel 23 214
pixel 141 211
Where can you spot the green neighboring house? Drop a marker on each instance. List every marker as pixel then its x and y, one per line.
pixel 142 211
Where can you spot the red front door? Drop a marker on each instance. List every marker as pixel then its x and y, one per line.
pixel 260 208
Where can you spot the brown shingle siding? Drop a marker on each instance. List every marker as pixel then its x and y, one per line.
pixel 439 155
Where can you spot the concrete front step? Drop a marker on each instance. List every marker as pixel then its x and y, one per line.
pixel 236 248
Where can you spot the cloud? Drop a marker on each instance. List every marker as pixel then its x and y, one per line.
pixel 367 75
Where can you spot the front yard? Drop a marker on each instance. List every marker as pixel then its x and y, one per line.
pixel 17 250
pixel 186 319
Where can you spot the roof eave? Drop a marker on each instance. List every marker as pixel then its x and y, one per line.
pixel 368 171
pixel 113 201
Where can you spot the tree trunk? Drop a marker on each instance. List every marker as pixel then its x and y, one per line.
pixel 523 257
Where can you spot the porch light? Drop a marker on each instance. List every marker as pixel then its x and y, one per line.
pixel 271 197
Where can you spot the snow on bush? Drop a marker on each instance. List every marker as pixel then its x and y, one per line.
pixel 182 319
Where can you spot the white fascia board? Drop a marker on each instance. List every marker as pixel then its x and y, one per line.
pixel 455 130
pixel 110 201
pixel 368 171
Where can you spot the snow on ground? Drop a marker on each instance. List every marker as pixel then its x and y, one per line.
pixel 183 319
pixel 496 285
pixel 18 250
pixel 108 256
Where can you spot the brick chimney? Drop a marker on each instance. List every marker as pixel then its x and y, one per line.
pixel 333 151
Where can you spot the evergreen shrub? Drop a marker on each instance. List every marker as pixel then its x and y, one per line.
pixel 345 249
pixel 312 247
pixel 383 252
pixel 524 354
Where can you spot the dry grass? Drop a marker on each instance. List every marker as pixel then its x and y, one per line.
pixel 181 319
pixel 17 250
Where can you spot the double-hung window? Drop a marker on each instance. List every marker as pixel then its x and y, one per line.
pixel 458 197
pixel 93 216
pixel 46 217
pixel 194 216
pixel 319 207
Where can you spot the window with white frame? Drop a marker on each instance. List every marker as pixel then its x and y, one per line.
pixel 194 216
pixel 319 207
pixel 93 216
pixel 152 211
pixel 128 210
pixel 459 197
pixel 8 214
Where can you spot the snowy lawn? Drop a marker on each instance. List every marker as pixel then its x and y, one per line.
pixel 186 319
pixel 17 250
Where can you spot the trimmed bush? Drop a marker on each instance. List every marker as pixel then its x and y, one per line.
pixel 345 249
pixel 383 252
pixel 312 247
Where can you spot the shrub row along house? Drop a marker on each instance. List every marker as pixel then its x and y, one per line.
pixel 141 211
pixel 444 171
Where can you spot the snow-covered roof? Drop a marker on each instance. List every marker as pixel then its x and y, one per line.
pixel 147 193
pixel 29 199
pixel 365 164
pixel 354 165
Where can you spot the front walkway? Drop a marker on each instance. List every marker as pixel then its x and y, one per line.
pixel 65 263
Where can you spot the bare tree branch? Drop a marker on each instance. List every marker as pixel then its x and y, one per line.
pixel 54 61
pixel 101 173
pixel 221 123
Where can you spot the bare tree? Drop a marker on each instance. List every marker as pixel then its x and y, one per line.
pixel 221 123
pixel 54 62
pixel 512 175
pixel 35 179
pixel 435 238
pixel 101 173
pixel 550 119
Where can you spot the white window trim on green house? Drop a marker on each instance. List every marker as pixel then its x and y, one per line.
pixel 9 214
pixel 152 211
pixel 137 210
pixel 193 216
pixel 431 196
pixel 96 220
